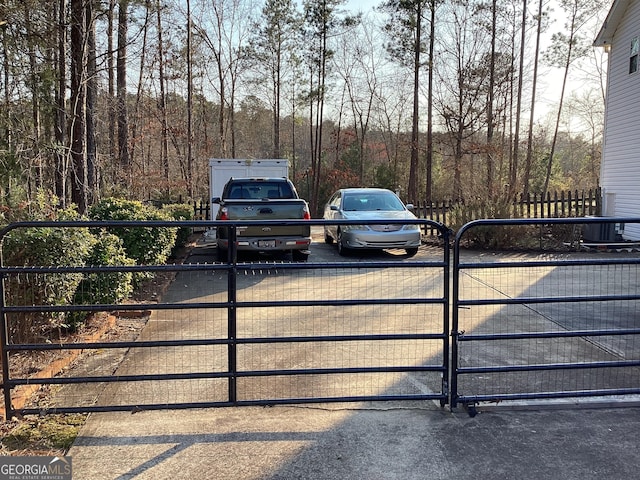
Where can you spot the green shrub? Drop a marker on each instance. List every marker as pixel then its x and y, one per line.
pixel 63 247
pixel 48 247
pixel 104 287
pixel 180 211
pixel 146 246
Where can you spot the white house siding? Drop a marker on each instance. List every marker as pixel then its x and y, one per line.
pixel 620 173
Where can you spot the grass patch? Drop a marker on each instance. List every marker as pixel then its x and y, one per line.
pixel 34 434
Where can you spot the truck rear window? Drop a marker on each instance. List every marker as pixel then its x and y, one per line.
pixel 260 190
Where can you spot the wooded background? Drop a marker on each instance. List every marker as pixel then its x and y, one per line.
pixel 432 99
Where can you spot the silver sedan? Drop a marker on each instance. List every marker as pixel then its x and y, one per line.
pixel 365 204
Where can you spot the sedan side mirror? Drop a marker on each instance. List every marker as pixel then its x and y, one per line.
pixel 333 208
pixel 409 206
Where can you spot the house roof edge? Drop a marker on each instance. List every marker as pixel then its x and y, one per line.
pixel 610 25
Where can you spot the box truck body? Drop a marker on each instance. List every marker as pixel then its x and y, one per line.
pixel 222 169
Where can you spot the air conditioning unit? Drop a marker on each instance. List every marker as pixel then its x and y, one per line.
pixel 602 232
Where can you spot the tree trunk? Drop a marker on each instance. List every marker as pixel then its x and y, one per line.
pixel 322 77
pixel 189 177
pixel 527 168
pixel 276 111
pixel 490 101
pixel 564 53
pixel 412 190
pixel 164 152
pixel 513 180
pixel 60 120
pixel 113 151
pixel 78 105
pixel 432 34
pixel 121 85
pixel 34 86
pixel 92 93
pixel 137 143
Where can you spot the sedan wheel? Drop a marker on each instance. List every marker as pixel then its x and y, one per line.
pixel 328 239
pixel 342 250
pixel 411 251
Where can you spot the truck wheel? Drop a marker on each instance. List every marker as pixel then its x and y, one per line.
pixel 221 255
pixel 299 255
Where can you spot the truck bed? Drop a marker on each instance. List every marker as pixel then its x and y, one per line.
pixel 265 201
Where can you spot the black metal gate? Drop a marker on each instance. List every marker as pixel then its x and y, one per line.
pixel 254 331
pixel 550 323
pixel 536 325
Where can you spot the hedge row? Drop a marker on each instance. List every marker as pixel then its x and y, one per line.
pixel 53 246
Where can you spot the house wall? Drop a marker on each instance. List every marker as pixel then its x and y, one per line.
pixel 620 173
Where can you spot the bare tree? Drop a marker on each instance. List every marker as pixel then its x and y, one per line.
pixel 393 104
pixel 189 175
pixel 164 151
pixel 274 39
pixel 462 87
pixel 60 118
pixel 78 102
pixel 112 154
pixel 568 46
pixel 34 87
pixel 358 64
pixel 588 112
pixel 92 94
pixel 239 61
pixel 226 33
pixel 513 176
pixel 534 83
pixel 405 28
pixel 490 100
pixel 433 5
pixel 322 22
pixel 121 89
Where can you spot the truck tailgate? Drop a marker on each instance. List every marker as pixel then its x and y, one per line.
pixel 272 209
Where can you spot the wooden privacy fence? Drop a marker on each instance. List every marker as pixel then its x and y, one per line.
pixel 564 204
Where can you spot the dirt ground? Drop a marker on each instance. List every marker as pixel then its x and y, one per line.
pixel 53 435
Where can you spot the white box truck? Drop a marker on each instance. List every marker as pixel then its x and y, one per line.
pixel 222 169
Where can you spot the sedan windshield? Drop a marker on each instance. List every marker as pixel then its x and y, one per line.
pixel 371 202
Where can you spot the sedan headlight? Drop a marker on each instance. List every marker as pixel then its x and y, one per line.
pixel 411 228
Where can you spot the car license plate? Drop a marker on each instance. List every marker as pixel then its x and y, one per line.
pixel 266 244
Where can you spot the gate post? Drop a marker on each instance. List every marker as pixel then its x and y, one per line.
pixel 232 299
pixel 4 353
pixel 446 376
pixel 454 320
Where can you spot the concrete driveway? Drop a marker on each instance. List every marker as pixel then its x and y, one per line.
pixel 390 440
pixel 360 441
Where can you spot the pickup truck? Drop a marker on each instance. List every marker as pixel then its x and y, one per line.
pixel 262 199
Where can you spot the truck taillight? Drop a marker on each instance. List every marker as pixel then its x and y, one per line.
pixel 305 214
pixel 223 214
